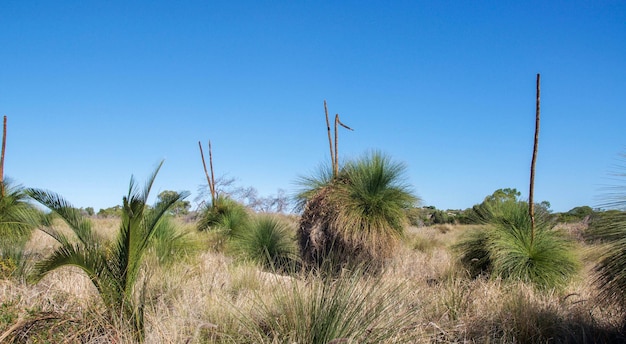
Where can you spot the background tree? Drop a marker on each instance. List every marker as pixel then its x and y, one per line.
pixel 115 211
pixel 89 211
pixel 576 214
pixel 503 195
pixel 181 207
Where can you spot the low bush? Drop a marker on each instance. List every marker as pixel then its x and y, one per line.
pixel 509 248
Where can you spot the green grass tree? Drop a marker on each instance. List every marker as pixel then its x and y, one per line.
pixel 610 229
pixel 114 268
pixel 519 243
pixel 224 215
pixel 268 242
pixel 356 216
pixel 505 247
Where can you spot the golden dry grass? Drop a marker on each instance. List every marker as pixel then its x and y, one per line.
pixel 204 297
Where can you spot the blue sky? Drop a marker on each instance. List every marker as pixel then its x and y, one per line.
pixel 98 91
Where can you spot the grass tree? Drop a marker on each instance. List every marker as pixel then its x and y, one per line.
pixel 268 242
pixel 225 215
pixel 611 230
pixel 113 267
pixel 506 247
pixel 357 216
pixel 517 243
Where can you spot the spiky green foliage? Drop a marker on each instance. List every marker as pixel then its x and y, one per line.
pixel 506 248
pixel 312 185
pixel 16 215
pixel 360 214
pixel 17 219
pixel 611 268
pixel 373 201
pixel 473 252
pixel 170 242
pixel 226 215
pixel 268 242
pixel 113 268
pixel 611 230
pixel 349 309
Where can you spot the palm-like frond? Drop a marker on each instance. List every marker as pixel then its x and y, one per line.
pixel 79 225
pixel 92 260
pixel 17 216
pixel 113 268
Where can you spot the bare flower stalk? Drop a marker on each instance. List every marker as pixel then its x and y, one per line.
pixel 336 163
pixel 334 155
pixel 4 144
pixel 531 203
pixel 330 142
pixel 212 185
pixel 210 179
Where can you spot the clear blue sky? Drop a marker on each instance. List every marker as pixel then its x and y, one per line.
pixel 98 91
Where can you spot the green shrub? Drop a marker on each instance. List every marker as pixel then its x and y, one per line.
pixel 509 248
pixel 610 270
pixel 225 215
pixel 268 242
pixel 169 242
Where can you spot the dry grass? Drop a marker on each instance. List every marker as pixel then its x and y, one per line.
pixel 209 298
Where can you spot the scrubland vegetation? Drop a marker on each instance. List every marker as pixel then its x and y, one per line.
pixel 359 262
pixel 209 295
pixel 232 275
